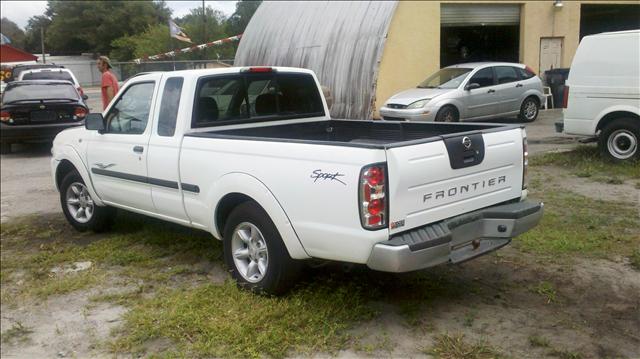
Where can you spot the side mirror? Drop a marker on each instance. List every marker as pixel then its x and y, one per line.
pixel 85 97
pixel 472 86
pixel 94 122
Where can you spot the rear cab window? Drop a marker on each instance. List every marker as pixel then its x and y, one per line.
pixel 240 98
pixel 169 106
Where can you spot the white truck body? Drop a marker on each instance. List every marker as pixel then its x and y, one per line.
pixel 306 174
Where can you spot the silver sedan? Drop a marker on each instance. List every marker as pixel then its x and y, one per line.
pixel 472 91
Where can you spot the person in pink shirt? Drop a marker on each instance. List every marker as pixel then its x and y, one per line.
pixel 109 81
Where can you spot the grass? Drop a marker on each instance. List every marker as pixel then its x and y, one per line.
pixel 565 354
pixel 539 341
pixel 635 258
pixel 456 347
pixel 547 290
pixel 575 224
pixel 17 333
pixel 585 161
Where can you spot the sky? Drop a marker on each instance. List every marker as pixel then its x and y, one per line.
pixel 20 11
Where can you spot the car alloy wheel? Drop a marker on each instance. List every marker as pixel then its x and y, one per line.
pixel 530 110
pixel 79 202
pixel 250 252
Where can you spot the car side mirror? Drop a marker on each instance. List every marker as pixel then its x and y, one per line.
pixel 85 97
pixel 472 86
pixel 94 122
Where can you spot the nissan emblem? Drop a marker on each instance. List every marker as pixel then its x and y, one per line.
pixel 466 141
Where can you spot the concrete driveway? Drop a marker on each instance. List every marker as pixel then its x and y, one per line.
pixel 27 187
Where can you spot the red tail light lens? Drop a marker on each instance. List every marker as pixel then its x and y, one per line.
pixel 565 97
pixel 529 69
pixel 80 112
pixel 80 91
pixel 373 197
pixel 5 116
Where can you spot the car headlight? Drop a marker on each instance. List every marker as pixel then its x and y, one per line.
pixel 418 104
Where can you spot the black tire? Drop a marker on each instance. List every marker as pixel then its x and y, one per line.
pixel 101 218
pixel 281 271
pixel 5 148
pixel 448 114
pixel 619 140
pixel 525 114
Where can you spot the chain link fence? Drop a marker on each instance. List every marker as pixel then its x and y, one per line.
pixel 88 75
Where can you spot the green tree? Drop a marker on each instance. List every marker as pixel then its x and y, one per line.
pixel 11 30
pixel 91 26
pixel 239 20
pixel 32 37
pixel 153 41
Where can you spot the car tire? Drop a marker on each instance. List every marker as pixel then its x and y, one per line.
pixel 255 254
pixel 448 114
pixel 529 109
pixel 80 209
pixel 5 148
pixel 619 140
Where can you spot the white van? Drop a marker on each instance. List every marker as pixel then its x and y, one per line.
pixel 602 93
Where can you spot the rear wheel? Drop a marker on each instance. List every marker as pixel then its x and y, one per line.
pixel 80 209
pixel 529 110
pixel 255 253
pixel 448 114
pixel 619 140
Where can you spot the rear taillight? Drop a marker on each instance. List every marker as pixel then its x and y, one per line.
pixel 373 196
pixel 80 112
pixel 565 97
pixel 80 91
pixel 258 69
pixel 525 160
pixel 5 116
pixel 529 69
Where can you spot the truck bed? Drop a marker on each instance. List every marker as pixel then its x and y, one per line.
pixel 369 134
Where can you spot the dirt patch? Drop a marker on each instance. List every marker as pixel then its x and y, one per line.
pixel 551 177
pixel 62 326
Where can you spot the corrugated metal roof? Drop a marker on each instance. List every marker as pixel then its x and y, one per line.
pixel 341 41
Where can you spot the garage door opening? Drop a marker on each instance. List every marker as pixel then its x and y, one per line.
pixel 479 32
pixel 597 18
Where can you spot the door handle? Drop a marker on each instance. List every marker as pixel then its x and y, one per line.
pixel 519 85
pixel 491 91
pixel 138 149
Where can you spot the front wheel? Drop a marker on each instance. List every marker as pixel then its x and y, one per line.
pixel 80 209
pixel 619 140
pixel 447 114
pixel 529 110
pixel 255 253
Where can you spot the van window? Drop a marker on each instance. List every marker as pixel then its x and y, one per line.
pixel 169 106
pixel 256 97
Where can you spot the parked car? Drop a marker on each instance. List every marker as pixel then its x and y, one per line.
pixel 52 74
pixel 472 91
pixel 602 94
pixel 17 69
pixel 252 156
pixel 38 110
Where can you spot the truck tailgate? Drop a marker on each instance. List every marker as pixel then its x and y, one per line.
pixel 432 181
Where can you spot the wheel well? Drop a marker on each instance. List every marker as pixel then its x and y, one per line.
pixel 225 206
pixel 610 117
pixel 454 107
pixel 63 169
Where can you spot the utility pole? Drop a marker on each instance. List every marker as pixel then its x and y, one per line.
pixel 204 30
pixel 44 59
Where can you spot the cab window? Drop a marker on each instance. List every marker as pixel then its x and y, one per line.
pixel 506 74
pixel 130 114
pixel 169 106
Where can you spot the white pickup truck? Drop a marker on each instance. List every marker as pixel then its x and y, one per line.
pixel 252 156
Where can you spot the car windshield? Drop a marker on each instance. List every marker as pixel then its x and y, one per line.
pixel 448 78
pixel 48 75
pixel 25 92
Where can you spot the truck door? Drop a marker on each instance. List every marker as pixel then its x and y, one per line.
pixel 164 149
pixel 117 157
